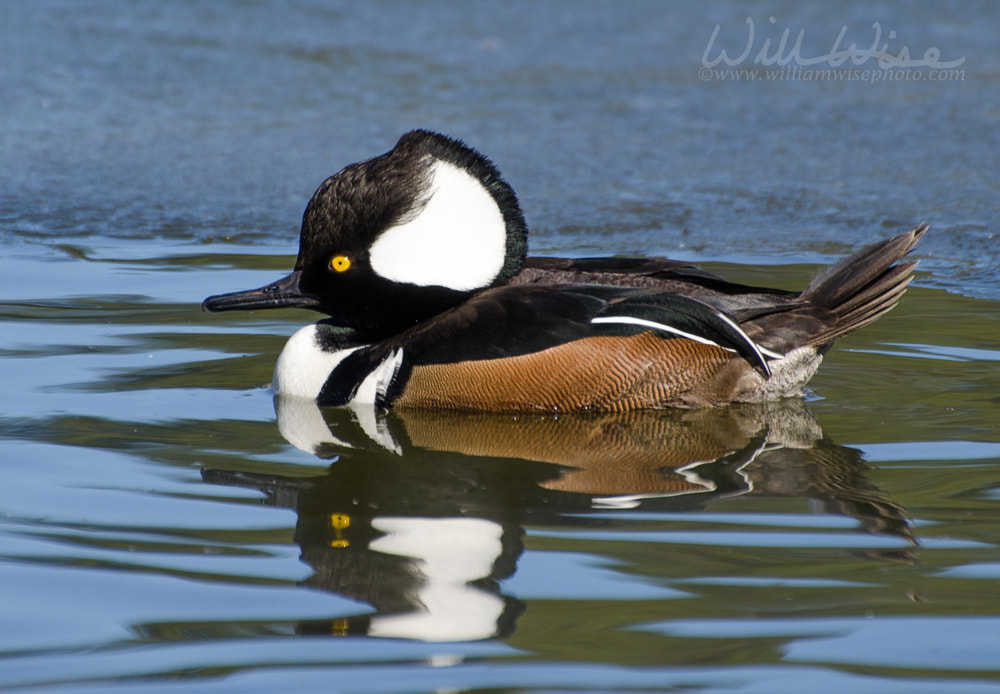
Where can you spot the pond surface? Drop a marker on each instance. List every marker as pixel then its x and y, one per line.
pixel 166 525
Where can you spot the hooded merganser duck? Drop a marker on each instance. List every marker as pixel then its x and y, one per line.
pixel 418 258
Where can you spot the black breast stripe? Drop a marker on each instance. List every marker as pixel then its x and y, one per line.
pixel 342 384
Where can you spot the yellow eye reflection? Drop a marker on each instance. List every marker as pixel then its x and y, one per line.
pixel 339 263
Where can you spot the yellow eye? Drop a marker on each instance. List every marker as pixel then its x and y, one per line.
pixel 339 263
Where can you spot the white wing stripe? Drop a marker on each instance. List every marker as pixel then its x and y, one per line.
pixel 631 320
pixel 759 349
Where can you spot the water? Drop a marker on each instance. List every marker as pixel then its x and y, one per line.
pixel 165 526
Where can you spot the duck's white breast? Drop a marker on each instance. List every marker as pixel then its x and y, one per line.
pixel 303 365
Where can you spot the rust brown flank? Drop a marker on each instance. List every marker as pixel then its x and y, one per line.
pixel 610 374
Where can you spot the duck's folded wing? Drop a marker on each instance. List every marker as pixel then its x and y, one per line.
pixel 672 315
pixel 616 271
pixel 660 275
pixel 513 322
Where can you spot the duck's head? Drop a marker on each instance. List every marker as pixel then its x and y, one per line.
pixel 396 239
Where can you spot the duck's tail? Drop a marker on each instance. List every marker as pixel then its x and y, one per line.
pixel 864 286
pixel 843 297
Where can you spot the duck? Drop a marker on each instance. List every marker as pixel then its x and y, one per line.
pixel 418 259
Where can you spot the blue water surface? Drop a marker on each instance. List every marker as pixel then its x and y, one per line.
pixel 166 526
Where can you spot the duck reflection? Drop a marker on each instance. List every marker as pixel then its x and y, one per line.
pixel 422 513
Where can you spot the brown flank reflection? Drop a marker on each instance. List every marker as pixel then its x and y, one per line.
pixel 422 514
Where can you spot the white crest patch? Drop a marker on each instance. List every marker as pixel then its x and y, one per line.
pixel 458 239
